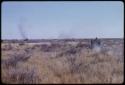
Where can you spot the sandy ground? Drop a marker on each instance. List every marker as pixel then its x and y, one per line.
pixel 67 62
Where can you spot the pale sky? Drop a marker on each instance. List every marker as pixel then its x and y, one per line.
pixel 43 20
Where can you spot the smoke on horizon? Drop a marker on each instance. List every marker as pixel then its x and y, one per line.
pixel 21 27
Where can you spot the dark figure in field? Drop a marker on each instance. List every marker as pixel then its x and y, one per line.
pixel 95 43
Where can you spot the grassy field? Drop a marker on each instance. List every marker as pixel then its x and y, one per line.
pixel 62 61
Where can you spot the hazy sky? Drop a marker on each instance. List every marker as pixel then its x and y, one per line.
pixel 62 19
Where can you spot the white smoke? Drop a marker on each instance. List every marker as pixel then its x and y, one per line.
pixel 97 49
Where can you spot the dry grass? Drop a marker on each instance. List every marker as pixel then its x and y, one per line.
pixel 61 63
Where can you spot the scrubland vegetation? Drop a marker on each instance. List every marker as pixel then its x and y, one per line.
pixel 62 62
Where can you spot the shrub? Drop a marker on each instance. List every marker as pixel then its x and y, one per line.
pixel 21 76
pixel 14 59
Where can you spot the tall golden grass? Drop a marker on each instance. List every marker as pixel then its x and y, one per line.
pixel 40 64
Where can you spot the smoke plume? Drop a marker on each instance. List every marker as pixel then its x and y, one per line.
pixel 21 28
